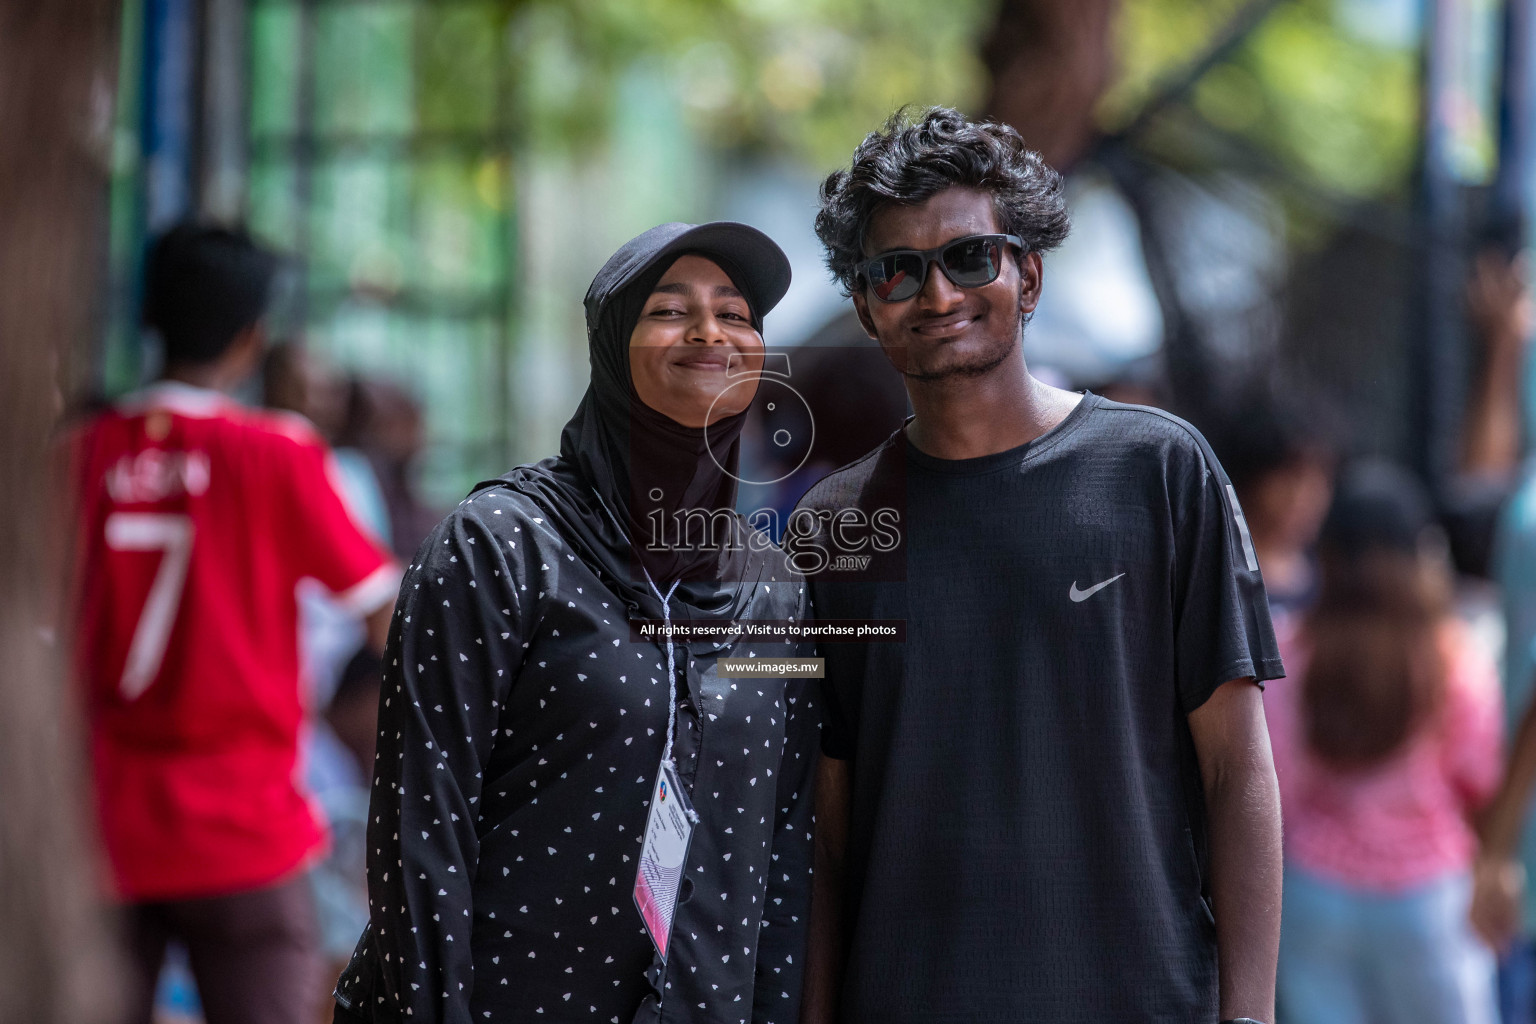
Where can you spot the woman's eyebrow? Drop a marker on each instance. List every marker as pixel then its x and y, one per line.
pixel 722 291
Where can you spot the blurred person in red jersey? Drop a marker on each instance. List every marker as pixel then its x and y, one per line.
pixel 1386 743
pixel 197 518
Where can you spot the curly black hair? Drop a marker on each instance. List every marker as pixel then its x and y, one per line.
pixel 909 161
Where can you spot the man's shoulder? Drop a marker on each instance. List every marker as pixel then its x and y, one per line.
pixel 277 429
pixel 272 449
pixel 221 427
pixel 1149 424
pixel 1148 434
pixel 279 426
pixel 852 485
pixel 243 427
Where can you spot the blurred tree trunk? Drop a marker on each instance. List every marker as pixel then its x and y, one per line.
pixel 1050 61
pixel 56 62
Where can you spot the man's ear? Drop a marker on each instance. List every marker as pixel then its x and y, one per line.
pixel 1031 281
pixel 245 354
pixel 861 307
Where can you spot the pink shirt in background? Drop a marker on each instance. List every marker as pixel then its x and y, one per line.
pixel 1403 822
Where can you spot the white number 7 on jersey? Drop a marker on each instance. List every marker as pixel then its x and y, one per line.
pixel 152 531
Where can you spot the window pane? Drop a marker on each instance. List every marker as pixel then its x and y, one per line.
pixel 360 225
pixel 459 224
pixel 459 47
pixel 275 50
pixel 273 205
pixel 363 71
pixel 449 364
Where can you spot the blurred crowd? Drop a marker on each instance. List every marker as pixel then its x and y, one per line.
pixel 1394 604
pixel 376 433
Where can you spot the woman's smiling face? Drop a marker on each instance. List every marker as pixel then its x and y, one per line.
pixel 694 355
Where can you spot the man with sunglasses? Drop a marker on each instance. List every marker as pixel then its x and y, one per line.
pixel 1055 800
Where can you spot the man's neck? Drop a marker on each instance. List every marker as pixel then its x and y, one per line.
pixel 968 417
pixel 211 376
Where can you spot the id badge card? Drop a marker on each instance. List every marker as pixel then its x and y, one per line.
pixel 668 831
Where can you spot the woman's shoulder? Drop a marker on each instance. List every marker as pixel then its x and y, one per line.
pixel 500 505
pixel 509 504
pixel 1472 673
pixel 495 521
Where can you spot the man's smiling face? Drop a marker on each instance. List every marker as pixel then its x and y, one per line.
pixel 947 331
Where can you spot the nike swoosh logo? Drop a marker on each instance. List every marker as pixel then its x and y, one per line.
pixel 1083 595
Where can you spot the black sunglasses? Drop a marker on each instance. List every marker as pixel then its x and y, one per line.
pixel 969 262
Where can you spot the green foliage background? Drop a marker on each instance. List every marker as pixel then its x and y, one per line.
pixel 1331 109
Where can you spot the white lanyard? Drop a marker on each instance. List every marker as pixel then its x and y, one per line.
pixel 666 618
pixel 669 824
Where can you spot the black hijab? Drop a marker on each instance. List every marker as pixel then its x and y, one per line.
pixel 617 454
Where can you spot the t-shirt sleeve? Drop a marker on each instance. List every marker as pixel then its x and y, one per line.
pixel 1222 628
pixel 323 539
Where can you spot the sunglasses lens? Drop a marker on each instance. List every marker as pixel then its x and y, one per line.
pixel 973 262
pixel 896 277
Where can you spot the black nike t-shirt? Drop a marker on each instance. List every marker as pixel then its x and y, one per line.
pixel 1028 833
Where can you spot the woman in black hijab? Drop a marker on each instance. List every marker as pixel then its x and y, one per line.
pixel 521 726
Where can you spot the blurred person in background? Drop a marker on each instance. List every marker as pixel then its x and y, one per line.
pixel 197 517
pixel 386 423
pixel 1140 381
pixel 1281 465
pixel 1486 505
pixel 1496 497
pixel 339 772
pixel 1501 313
pixel 523 724
pixel 295 379
pixel 334 653
pixel 1387 741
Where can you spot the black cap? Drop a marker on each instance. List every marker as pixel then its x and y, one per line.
pixel 762 269
pixel 1376 505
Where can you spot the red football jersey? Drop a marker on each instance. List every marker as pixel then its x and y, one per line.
pixel 198 517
